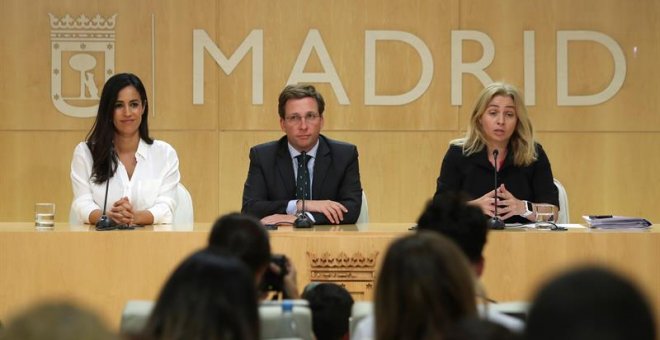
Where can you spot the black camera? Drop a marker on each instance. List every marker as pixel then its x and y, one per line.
pixel 273 281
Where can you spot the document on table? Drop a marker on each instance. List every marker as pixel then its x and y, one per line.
pixel 616 222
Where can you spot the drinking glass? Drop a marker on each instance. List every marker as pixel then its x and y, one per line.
pixel 545 216
pixel 44 215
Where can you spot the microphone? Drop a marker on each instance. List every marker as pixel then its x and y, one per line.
pixel 105 223
pixel 302 220
pixel 495 222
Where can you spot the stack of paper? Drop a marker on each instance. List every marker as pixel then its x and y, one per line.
pixel 616 222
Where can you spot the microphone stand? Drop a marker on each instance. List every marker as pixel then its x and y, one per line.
pixel 302 220
pixel 495 222
pixel 105 223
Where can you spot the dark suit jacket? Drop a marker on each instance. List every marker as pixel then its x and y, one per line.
pixel 474 175
pixel 270 183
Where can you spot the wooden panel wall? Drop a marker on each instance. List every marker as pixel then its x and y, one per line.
pixel 603 153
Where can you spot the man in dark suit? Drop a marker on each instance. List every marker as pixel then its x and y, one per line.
pixel 277 178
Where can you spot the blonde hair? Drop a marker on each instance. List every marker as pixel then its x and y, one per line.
pixel 522 140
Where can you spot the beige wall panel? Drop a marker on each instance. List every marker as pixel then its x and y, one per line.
pixel 342 26
pixel 398 169
pixel 39 171
pixel 198 164
pixel 174 24
pixel 614 173
pixel 30 59
pixel 234 156
pixel 590 64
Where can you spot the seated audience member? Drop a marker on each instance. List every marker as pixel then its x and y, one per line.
pixel 331 308
pixel 424 288
pixel 277 179
pixel 465 224
pixel 467 227
pixel 245 237
pixel 590 303
pixel 56 321
pixel 480 329
pixel 209 296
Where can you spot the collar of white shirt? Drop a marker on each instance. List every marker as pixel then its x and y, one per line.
pixel 294 153
pixel 143 150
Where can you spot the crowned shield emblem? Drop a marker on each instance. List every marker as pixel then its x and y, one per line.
pixel 82 59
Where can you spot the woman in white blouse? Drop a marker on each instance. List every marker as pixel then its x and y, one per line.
pixel 143 173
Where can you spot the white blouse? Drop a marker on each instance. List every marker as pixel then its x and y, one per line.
pixel 152 187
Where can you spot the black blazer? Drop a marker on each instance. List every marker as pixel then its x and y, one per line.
pixel 270 182
pixel 474 175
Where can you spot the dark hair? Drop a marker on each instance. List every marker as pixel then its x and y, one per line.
pixel 475 328
pixel 451 216
pixel 590 303
pixel 99 138
pixel 299 91
pixel 56 320
pixel 244 237
pixel 425 285
pixel 209 296
pixel 331 308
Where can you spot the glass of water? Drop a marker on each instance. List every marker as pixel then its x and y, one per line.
pixel 545 215
pixel 44 215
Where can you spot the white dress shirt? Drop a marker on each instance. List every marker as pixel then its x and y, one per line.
pixel 152 186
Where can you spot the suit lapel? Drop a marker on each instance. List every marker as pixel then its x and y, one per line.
pixel 321 166
pixel 284 167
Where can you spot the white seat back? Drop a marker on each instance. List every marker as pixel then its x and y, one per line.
pixel 270 319
pixel 364 210
pixel 360 310
pixel 134 316
pixel 564 216
pixel 73 217
pixel 183 214
pixel 136 313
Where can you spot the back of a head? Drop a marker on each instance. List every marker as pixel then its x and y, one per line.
pixel 425 285
pixel 55 321
pixel 451 216
pixel 331 308
pixel 590 303
pixel 209 296
pixel 475 328
pixel 244 237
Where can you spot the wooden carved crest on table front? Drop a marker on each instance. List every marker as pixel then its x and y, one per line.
pixel 341 268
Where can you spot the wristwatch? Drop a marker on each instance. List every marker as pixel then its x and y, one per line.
pixel 529 209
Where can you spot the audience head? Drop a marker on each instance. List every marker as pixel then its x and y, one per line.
pixel 425 285
pixel 56 321
pixel 590 303
pixel 331 308
pixel 466 225
pixel 245 237
pixel 208 296
pixel 475 328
